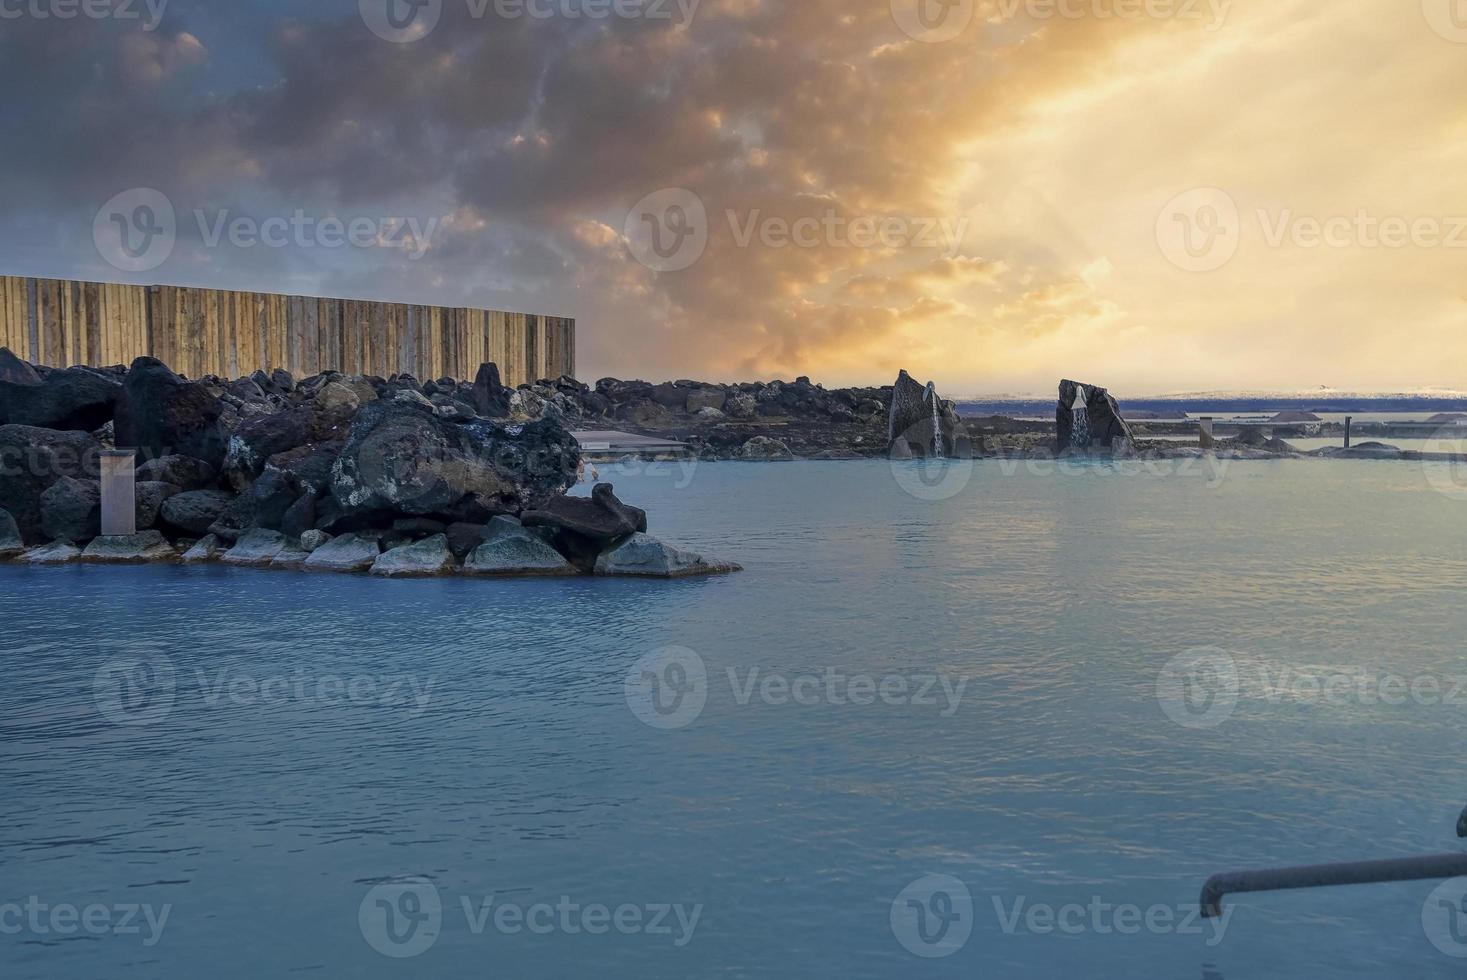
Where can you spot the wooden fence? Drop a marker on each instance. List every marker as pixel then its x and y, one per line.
pixel 229 334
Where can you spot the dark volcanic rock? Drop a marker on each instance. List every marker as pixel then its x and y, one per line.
pixel 15 371
pixel 195 511
pixel 300 517
pixel 76 398
pixel 404 459
pixel 183 472
pixel 160 414
pixel 310 465
pixel 260 438
pixel 927 424
pixel 71 510
pixel 1108 430
pixel 491 397
pixel 10 542
pixel 271 496
pixel 601 518
pixel 31 460
pixel 150 497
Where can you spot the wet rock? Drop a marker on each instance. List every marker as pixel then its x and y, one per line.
pixel 130 548
pixel 765 449
pixel 425 559
pixel 31 460
pixel 183 472
pixel 348 553
pixel 55 553
pixel 195 511
pixel 643 556
pixel 256 547
pixel 208 548
pixel 71 399
pixel 283 381
pixel 71 510
pixel 292 556
pixel 517 552
pixel 160 413
pixel 600 518
pixel 311 541
pixel 404 460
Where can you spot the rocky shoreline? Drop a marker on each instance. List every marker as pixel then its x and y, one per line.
pixel 391 477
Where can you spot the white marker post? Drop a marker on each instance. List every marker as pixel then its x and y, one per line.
pixel 119 492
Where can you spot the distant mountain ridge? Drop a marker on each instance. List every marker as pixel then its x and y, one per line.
pixel 1319 401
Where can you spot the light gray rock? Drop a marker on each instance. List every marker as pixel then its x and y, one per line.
pixel 10 542
pixel 313 540
pixel 208 548
pixel 130 548
pixel 517 552
pixel 256 547
pixel 348 553
pixel 765 449
pixel 425 559
pixel 741 406
pixel 643 556
pixel 55 553
pixel 291 556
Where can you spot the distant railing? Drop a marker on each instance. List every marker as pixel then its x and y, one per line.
pixel 230 333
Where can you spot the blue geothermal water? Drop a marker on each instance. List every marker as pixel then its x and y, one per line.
pixel 929 718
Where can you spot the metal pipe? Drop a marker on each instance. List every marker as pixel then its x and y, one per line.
pixel 1349 424
pixel 1328 876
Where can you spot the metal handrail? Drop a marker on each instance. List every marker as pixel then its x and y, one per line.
pixel 1329 875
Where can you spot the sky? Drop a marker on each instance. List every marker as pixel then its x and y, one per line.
pixel 1153 195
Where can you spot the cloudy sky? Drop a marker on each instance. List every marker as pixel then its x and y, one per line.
pixel 1158 195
